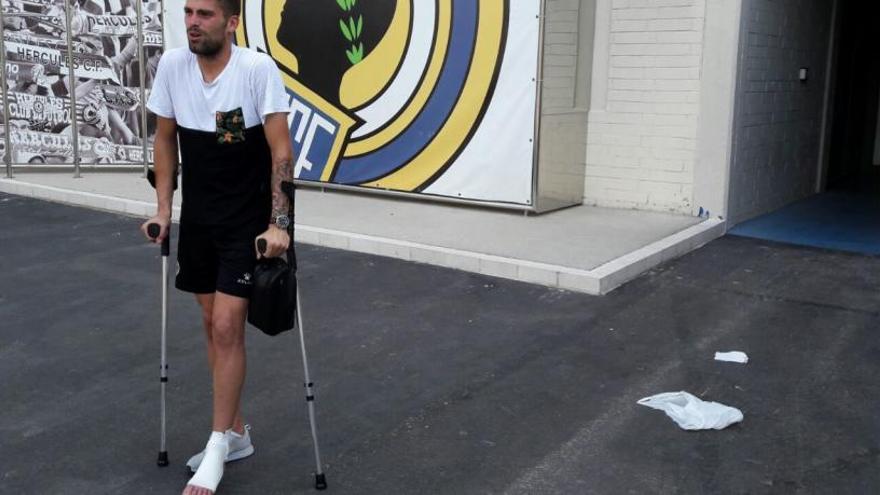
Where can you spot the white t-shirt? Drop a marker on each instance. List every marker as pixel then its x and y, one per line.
pixel 249 81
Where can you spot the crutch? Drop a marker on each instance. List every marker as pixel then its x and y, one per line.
pixel 320 478
pixel 153 230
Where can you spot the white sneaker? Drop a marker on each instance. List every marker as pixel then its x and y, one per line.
pixel 240 446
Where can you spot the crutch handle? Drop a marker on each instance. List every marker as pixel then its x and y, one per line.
pixel 261 246
pixel 153 230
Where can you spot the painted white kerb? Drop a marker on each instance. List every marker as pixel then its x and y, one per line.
pixel 597 281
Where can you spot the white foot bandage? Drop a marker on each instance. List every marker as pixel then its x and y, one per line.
pixel 211 469
pixel 240 447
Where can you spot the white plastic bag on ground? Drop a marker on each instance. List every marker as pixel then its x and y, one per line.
pixel 732 356
pixel 692 413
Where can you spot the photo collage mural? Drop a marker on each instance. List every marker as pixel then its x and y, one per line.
pixel 91 107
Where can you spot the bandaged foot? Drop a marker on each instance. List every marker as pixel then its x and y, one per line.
pixel 240 447
pixel 210 470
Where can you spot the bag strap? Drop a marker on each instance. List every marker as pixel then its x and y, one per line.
pixel 289 189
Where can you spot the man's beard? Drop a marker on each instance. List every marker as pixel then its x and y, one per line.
pixel 206 47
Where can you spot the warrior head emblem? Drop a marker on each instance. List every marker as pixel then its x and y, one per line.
pixel 329 37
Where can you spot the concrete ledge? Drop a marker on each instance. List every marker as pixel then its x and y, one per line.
pixel 597 281
pixel 629 266
pixel 95 201
pixel 600 280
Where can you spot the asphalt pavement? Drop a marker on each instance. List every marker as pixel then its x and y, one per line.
pixel 431 380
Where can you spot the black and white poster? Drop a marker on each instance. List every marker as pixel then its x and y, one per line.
pixel 98 100
pixel 153 46
pixel 38 106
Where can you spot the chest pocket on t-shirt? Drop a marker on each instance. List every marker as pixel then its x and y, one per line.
pixel 230 127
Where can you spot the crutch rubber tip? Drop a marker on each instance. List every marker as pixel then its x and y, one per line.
pixel 163 459
pixel 320 482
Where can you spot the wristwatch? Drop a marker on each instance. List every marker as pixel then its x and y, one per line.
pixel 281 221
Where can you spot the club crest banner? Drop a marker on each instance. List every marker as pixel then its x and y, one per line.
pixel 422 96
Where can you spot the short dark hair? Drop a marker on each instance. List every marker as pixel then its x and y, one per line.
pixel 230 7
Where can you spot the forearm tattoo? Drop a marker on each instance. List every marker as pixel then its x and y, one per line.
pixel 282 171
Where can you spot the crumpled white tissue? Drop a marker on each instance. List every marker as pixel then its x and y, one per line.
pixel 732 356
pixel 692 413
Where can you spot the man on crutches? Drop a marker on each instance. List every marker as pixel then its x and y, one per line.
pixel 227 108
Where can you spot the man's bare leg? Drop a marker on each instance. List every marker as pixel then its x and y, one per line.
pixel 227 339
pixel 206 301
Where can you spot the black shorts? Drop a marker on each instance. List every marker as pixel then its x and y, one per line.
pixel 216 259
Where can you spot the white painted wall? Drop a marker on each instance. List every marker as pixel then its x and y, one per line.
pixel 777 130
pixel 645 104
pixel 717 98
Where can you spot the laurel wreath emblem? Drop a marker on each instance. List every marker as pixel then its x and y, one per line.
pixel 352 30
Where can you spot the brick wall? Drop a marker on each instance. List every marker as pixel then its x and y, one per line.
pixel 778 118
pixel 642 138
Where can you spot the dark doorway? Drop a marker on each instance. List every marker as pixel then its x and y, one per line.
pixel 855 100
pixel 846 215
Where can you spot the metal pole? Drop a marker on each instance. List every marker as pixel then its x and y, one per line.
pixel 154 230
pixel 163 371
pixel 162 23
pixel 7 156
pixel 72 91
pixel 143 84
pixel 320 479
pixel 539 87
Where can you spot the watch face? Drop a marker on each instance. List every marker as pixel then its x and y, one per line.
pixel 282 221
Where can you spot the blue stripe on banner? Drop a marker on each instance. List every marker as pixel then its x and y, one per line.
pixel 441 103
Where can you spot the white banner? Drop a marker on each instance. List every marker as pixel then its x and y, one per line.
pixel 429 97
pixel 109 25
pixel 497 164
pixel 47 148
pixel 48 111
pixel 85 65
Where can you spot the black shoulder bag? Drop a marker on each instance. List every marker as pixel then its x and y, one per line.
pixel 272 307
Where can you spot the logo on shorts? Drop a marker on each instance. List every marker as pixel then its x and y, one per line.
pixel 245 279
pixel 383 93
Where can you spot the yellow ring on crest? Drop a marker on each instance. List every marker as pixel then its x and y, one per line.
pixel 418 102
pixel 467 111
pixel 365 80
